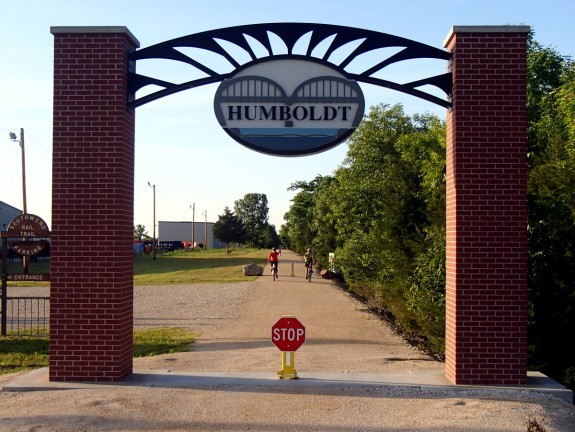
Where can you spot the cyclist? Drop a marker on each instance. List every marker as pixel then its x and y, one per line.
pixel 273 258
pixel 308 260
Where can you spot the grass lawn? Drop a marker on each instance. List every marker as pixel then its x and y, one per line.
pixel 19 353
pixel 178 267
pixel 185 267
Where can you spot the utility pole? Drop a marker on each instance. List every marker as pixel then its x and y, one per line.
pixel 154 238
pixel 25 207
pixel 14 138
pixel 206 230
pixel 193 207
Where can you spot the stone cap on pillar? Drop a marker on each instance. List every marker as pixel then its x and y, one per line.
pixel 96 29
pixel 485 29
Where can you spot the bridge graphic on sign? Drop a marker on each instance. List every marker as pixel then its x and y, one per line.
pixel 265 116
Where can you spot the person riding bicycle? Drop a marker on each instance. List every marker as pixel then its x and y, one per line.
pixel 308 260
pixel 273 258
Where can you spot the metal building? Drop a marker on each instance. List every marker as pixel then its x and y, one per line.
pixel 169 231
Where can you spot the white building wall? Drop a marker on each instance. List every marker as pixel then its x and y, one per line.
pixel 7 215
pixel 182 231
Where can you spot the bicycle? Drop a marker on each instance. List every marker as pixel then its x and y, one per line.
pixel 274 270
pixel 308 271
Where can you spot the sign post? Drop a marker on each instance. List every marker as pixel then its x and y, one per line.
pixel 23 229
pixel 288 334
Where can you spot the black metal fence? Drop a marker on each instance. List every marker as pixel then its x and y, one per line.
pixel 28 316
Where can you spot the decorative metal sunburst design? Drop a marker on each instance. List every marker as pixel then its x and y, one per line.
pixel 290 34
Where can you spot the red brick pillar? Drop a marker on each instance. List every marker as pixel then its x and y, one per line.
pixel 91 295
pixel 486 304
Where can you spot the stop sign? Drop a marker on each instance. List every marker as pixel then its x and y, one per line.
pixel 288 334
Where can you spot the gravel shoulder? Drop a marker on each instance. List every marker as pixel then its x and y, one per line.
pixel 235 322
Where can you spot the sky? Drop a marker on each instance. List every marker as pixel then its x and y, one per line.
pixel 180 147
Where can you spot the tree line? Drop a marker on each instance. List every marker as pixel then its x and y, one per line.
pixel 248 224
pixel 382 212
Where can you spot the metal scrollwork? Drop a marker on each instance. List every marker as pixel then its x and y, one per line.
pixel 289 33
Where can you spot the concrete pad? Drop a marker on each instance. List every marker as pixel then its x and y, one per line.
pixel 428 382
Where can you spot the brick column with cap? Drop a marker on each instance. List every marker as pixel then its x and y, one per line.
pixel 91 295
pixel 486 270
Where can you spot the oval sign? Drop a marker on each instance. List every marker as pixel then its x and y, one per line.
pixel 29 248
pixel 289 107
pixel 27 226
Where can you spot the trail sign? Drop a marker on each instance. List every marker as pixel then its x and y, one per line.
pixel 27 226
pixel 42 277
pixel 288 334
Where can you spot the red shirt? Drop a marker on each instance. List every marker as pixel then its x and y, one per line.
pixel 273 256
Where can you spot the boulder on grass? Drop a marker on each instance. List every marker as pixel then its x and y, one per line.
pixel 253 270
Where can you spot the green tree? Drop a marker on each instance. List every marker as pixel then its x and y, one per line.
pixel 271 237
pixel 383 207
pixel 229 228
pixel 140 232
pixel 383 214
pixel 545 67
pixel 300 221
pixel 551 211
pixel 253 210
pixel 324 226
pixel 285 239
pixel 309 221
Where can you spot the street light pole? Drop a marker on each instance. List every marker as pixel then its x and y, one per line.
pixel 193 207
pixel 154 238
pixel 14 138
pixel 205 230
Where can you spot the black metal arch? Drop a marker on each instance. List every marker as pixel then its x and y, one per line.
pixel 290 34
